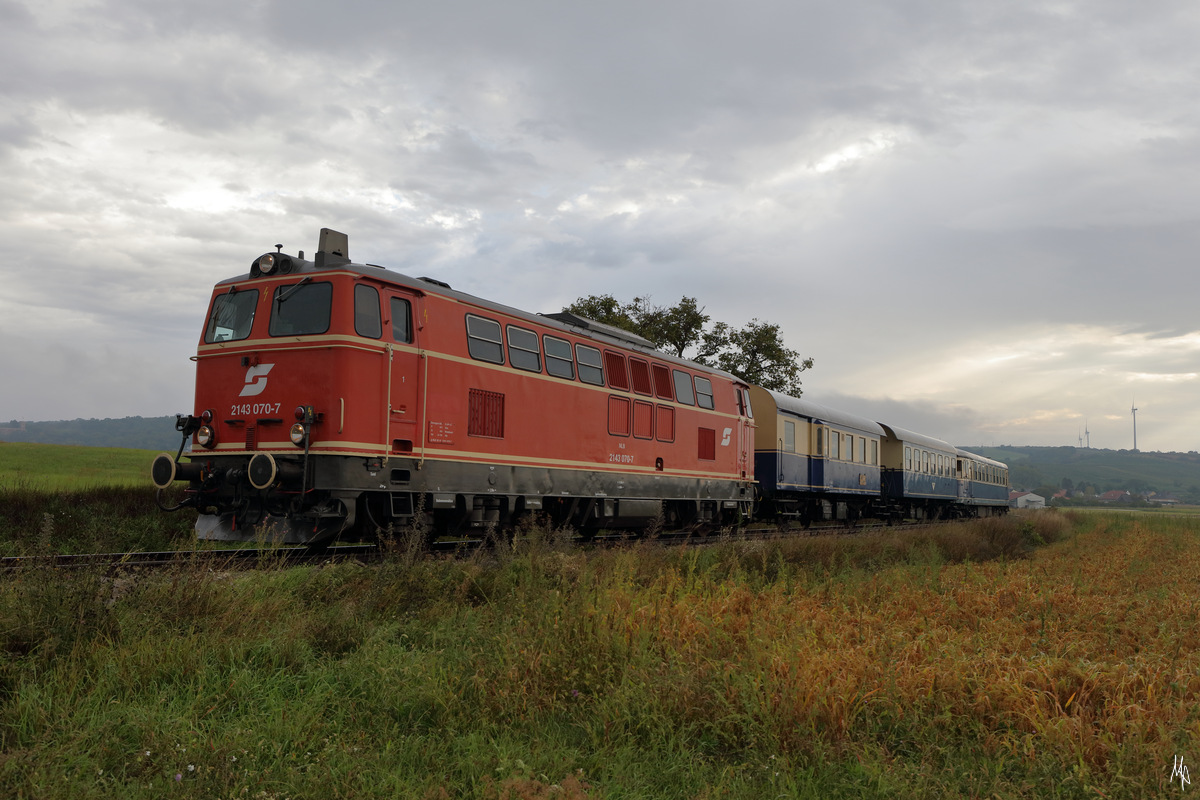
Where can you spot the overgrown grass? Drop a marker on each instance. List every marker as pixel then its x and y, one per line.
pixel 912 663
pixel 93 520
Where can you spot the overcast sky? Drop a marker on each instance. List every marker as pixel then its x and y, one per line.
pixel 980 219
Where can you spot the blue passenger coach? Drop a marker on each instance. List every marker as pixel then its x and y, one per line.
pixel 982 485
pixel 919 475
pixel 813 462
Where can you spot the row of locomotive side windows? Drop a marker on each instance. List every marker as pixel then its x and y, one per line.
pixel 485 342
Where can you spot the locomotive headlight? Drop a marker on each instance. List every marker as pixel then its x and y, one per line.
pixel 205 436
pixel 266 264
pixel 297 434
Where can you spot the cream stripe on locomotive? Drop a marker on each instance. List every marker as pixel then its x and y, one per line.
pixel 360 449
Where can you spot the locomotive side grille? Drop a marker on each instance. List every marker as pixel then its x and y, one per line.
pixel 485 414
pixel 251 437
pixel 708 444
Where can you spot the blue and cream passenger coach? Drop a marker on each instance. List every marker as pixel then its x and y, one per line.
pixel 813 462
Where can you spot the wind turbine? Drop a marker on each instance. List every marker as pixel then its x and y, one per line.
pixel 1088 434
pixel 1133 410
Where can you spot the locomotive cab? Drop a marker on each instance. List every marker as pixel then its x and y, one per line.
pixel 297 358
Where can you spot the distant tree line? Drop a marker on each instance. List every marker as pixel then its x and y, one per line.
pixel 142 433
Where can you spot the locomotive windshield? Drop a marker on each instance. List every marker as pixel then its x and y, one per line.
pixel 232 316
pixel 301 309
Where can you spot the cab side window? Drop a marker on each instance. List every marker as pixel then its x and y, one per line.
pixel 401 320
pixel 367 321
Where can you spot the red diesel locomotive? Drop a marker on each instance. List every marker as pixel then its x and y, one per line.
pixel 336 398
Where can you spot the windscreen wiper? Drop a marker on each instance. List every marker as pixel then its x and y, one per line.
pixel 291 291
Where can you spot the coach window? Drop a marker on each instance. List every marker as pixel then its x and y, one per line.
pixel 862 449
pixel 614 366
pixel 704 397
pixel 835 442
pixel 523 352
pixel 683 388
pixel 232 316
pixel 662 382
pixel 874 452
pixel 789 436
pixel 301 309
pixel 401 320
pixel 819 444
pixel 483 339
pixel 367 321
pixel 908 458
pixel 849 448
pixel 590 369
pixel 558 358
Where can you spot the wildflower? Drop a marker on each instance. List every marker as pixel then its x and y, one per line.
pixel 178 777
pixel 191 767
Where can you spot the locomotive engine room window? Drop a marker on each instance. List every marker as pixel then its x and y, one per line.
pixel 401 320
pixel 232 316
pixel 590 369
pixel 614 365
pixel 789 436
pixel 483 339
pixel 704 397
pixel 523 352
pixel 301 309
pixel 662 382
pixel 558 358
pixel 683 388
pixel 367 321
pixel 639 371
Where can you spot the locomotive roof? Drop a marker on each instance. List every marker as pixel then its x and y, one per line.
pixel 563 321
pixel 820 413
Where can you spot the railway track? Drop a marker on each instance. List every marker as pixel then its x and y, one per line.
pixel 254 558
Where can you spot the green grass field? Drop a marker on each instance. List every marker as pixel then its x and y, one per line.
pixel 60 466
pixel 1054 655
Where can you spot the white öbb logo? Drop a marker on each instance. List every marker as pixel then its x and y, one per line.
pixel 725 438
pixel 256 380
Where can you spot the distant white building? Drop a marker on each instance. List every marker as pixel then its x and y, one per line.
pixel 1025 500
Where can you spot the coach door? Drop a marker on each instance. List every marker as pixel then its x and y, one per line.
pixel 406 372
